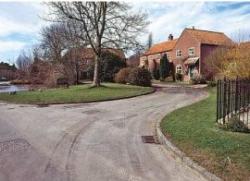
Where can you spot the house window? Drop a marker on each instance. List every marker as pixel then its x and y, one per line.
pixel 191 51
pixel 179 69
pixel 178 53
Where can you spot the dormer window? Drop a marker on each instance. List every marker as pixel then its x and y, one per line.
pixel 178 53
pixel 191 51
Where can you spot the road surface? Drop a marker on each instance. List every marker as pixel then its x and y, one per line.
pixel 91 142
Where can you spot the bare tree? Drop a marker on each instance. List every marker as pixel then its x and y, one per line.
pixel 71 34
pixel 105 24
pixel 23 61
pixel 53 43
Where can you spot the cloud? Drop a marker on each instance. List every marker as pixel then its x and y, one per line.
pixel 173 17
pixel 20 22
pixel 7 46
pixel 20 17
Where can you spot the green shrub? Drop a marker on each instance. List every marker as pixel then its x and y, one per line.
pixel 179 76
pixel 140 77
pixel 110 65
pixel 122 76
pixel 198 79
pixel 236 125
pixel 212 83
pixel 156 74
pixel 164 67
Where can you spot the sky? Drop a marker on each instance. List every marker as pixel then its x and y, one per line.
pixel 21 22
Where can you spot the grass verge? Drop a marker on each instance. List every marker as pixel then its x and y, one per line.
pixel 76 94
pixel 193 129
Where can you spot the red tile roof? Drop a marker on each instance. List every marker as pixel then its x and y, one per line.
pixel 209 37
pixel 162 47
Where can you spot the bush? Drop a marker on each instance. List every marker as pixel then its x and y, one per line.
pixel 212 83
pixel 122 75
pixel 236 125
pixel 20 81
pixel 198 79
pixel 179 76
pixel 140 77
pixel 62 81
pixel 164 67
pixel 110 64
pixel 156 74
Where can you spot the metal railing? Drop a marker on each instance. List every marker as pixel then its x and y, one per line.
pixel 233 99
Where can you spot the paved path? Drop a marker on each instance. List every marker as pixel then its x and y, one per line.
pixel 91 142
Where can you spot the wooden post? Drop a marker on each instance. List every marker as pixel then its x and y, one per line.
pixel 224 100
pixel 229 101
pixel 217 100
pixel 236 95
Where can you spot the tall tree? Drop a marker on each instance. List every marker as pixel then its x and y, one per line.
pixel 71 36
pixel 53 42
pixel 150 40
pixel 164 67
pixel 106 24
pixel 23 61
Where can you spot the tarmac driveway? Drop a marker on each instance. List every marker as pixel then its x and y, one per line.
pixel 91 142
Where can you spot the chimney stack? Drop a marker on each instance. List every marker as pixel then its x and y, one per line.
pixel 170 37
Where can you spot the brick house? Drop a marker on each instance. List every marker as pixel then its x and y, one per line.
pixel 151 58
pixel 188 52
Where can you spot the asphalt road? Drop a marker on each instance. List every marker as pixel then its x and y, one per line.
pixel 91 142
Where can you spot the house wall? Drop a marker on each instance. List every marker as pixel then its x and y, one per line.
pixel 8 74
pixel 206 50
pixel 155 57
pixel 185 42
pixel 143 60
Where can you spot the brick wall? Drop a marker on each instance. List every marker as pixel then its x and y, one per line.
pixel 185 42
pixel 206 50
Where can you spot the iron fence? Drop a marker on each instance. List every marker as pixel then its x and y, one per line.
pixel 233 99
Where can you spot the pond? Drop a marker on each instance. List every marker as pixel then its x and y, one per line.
pixel 7 87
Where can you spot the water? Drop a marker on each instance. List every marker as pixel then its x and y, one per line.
pixel 7 87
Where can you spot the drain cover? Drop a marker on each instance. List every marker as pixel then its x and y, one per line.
pixel 148 139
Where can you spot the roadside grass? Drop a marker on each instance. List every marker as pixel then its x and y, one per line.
pixel 194 130
pixel 76 94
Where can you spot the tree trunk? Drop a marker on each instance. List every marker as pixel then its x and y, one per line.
pixel 96 79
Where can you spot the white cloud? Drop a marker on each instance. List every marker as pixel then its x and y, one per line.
pixel 7 46
pixel 21 17
pixel 166 17
pixel 173 17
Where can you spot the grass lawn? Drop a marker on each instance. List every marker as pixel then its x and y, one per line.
pixel 193 129
pixel 76 94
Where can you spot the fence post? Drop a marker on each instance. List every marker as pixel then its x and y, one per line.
pixel 224 100
pixel 233 98
pixel 228 100
pixel 217 100
pixel 236 96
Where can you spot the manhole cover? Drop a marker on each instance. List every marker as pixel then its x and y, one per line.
pixel 149 139
pixel 14 145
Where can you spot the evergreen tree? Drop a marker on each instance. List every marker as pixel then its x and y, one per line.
pixel 164 67
pixel 150 40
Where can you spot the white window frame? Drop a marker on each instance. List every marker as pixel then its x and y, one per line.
pixel 178 53
pixel 178 69
pixel 191 49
